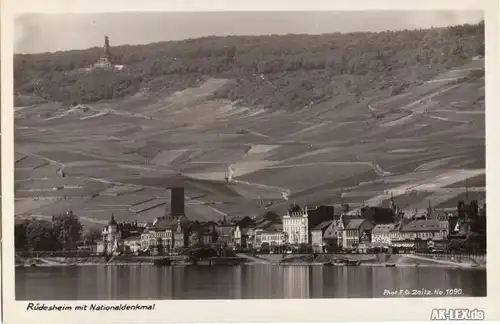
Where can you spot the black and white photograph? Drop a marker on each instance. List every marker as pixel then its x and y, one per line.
pixel 249 155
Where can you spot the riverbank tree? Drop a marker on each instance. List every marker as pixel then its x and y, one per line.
pixel 61 233
pixel 91 236
pixel 68 229
pixel 40 236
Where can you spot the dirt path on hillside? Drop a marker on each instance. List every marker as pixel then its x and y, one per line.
pixel 377 168
pixel 449 119
pixel 285 193
pixel 414 111
pixel 434 183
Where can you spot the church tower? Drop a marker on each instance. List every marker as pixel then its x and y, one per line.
pixel 393 206
pixel 177 202
pixel 112 225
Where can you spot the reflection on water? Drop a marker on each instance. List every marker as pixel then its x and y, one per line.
pixel 240 282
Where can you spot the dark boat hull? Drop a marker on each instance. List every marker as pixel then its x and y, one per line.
pixel 162 262
pixel 353 263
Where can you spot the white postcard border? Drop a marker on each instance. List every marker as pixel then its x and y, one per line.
pixel 308 310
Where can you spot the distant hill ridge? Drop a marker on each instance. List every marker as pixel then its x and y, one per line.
pixel 274 72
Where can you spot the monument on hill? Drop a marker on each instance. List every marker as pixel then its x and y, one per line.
pixel 105 60
pixel 106 47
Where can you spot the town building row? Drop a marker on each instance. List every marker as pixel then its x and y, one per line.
pixel 321 228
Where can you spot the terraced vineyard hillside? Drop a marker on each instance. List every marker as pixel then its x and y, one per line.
pixel 419 142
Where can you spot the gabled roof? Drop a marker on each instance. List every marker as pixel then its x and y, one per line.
pixel 164 224
pixel 354 223
pixel 169 223
pixel 203 227
pixel 322 226
pixel 226 224
pixel 423 225
pixel 273 228
pixel 331 231
pixel 245 222
pixel 438 214
pixel 384 228
pixel 265 224
pixel 346 218
pixel 260 220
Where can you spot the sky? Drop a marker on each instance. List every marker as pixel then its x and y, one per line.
pixel 37 33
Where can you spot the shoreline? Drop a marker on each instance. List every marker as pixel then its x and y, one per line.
pixel 383 265
pixel 149 264
pixel 326 260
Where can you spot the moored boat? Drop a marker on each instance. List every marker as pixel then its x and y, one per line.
pixel 353 263
pixel 162 262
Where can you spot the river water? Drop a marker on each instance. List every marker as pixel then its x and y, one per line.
pixel 238 282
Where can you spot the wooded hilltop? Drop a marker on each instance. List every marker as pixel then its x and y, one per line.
pixel 274 72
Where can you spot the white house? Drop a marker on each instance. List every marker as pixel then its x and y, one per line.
pixel 318 236
pixel 145 240
pixel 418 233
pixel 243 236
pixel 271 237
pixel 132 243
pixel 383 233
pixel 111 238
pixel 354 230
pixel 295 225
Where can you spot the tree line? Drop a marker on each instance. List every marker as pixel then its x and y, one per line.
pixel 62 232
pixel 271 71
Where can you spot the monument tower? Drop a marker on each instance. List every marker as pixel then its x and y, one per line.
pixel 105 60
pixel 107 54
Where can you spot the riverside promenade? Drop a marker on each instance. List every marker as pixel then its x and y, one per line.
pixel 425 260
